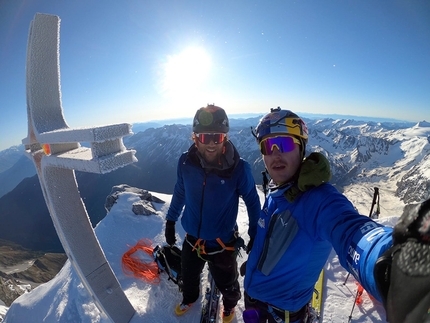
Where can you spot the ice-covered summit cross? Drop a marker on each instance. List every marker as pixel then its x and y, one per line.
pixel 56 151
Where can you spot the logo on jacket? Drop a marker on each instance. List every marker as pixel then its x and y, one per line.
pixel 222 182
pixel 368 226
pixel 261 223
pixel 284 217
pixel 284 223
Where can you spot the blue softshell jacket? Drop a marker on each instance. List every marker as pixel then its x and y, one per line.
pixel 209 198
pixel 294 240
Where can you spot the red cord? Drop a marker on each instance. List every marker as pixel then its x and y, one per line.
pixel 132 266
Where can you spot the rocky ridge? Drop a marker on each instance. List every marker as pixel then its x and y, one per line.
pixel 40 268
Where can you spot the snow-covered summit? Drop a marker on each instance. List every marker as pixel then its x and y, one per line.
pixel 64 298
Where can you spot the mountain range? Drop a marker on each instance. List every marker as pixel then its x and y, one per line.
pixel 392 156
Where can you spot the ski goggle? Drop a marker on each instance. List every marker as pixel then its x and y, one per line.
pixel 283 143
pixel 206 138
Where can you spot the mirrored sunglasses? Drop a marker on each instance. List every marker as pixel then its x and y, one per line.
pixel 283 143
pixel 206 138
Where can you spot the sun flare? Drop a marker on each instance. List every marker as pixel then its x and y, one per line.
pixel 186 71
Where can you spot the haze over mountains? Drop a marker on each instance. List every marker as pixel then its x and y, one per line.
pixel 363 155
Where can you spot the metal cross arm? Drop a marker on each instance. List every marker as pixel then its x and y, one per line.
pixel 106 154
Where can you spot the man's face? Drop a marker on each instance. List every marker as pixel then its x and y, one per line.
pixel 282 166
pixel 210 151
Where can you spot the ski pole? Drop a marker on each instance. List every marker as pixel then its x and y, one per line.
pixel 359 292
pixel 347 276
pixel 353 306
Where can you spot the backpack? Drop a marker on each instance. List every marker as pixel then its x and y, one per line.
pixel 168 259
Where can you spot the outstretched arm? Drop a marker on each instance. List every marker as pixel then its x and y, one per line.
pixel 402 274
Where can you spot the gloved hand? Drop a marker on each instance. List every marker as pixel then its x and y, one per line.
pixel 242 269
pixel 402 273
pixel 170 233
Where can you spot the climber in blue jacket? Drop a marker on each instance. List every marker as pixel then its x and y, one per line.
pixel 211 177
pixel 303 218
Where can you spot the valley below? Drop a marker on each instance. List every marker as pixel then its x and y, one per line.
pixel 22 270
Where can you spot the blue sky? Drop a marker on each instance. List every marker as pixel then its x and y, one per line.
pixel 135 61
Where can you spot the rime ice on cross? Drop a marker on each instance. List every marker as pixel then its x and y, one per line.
pixel 61 155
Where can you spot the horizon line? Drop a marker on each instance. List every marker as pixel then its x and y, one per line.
pixel 308 115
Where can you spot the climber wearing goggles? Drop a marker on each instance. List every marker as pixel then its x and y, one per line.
pixel 211 180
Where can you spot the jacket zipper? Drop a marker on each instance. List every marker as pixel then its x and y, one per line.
pixel 201 205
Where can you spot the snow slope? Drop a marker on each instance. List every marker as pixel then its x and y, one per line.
pixel 64 298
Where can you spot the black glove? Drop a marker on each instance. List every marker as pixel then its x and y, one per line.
pixel 402 273
pixel 170 232
pixel 242 269
pixel 249 245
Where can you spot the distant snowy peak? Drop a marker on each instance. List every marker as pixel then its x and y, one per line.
pixel 421 129
pixel 10 156
pixel 422 124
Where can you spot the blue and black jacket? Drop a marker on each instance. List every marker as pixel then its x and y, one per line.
pixel 211 196
pixel 295 237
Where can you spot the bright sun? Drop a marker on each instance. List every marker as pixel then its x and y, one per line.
pixel 185 72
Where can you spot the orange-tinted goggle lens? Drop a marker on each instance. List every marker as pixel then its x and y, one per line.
pixel 206 138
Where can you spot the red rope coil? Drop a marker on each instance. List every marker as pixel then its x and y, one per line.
pixel 133 266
